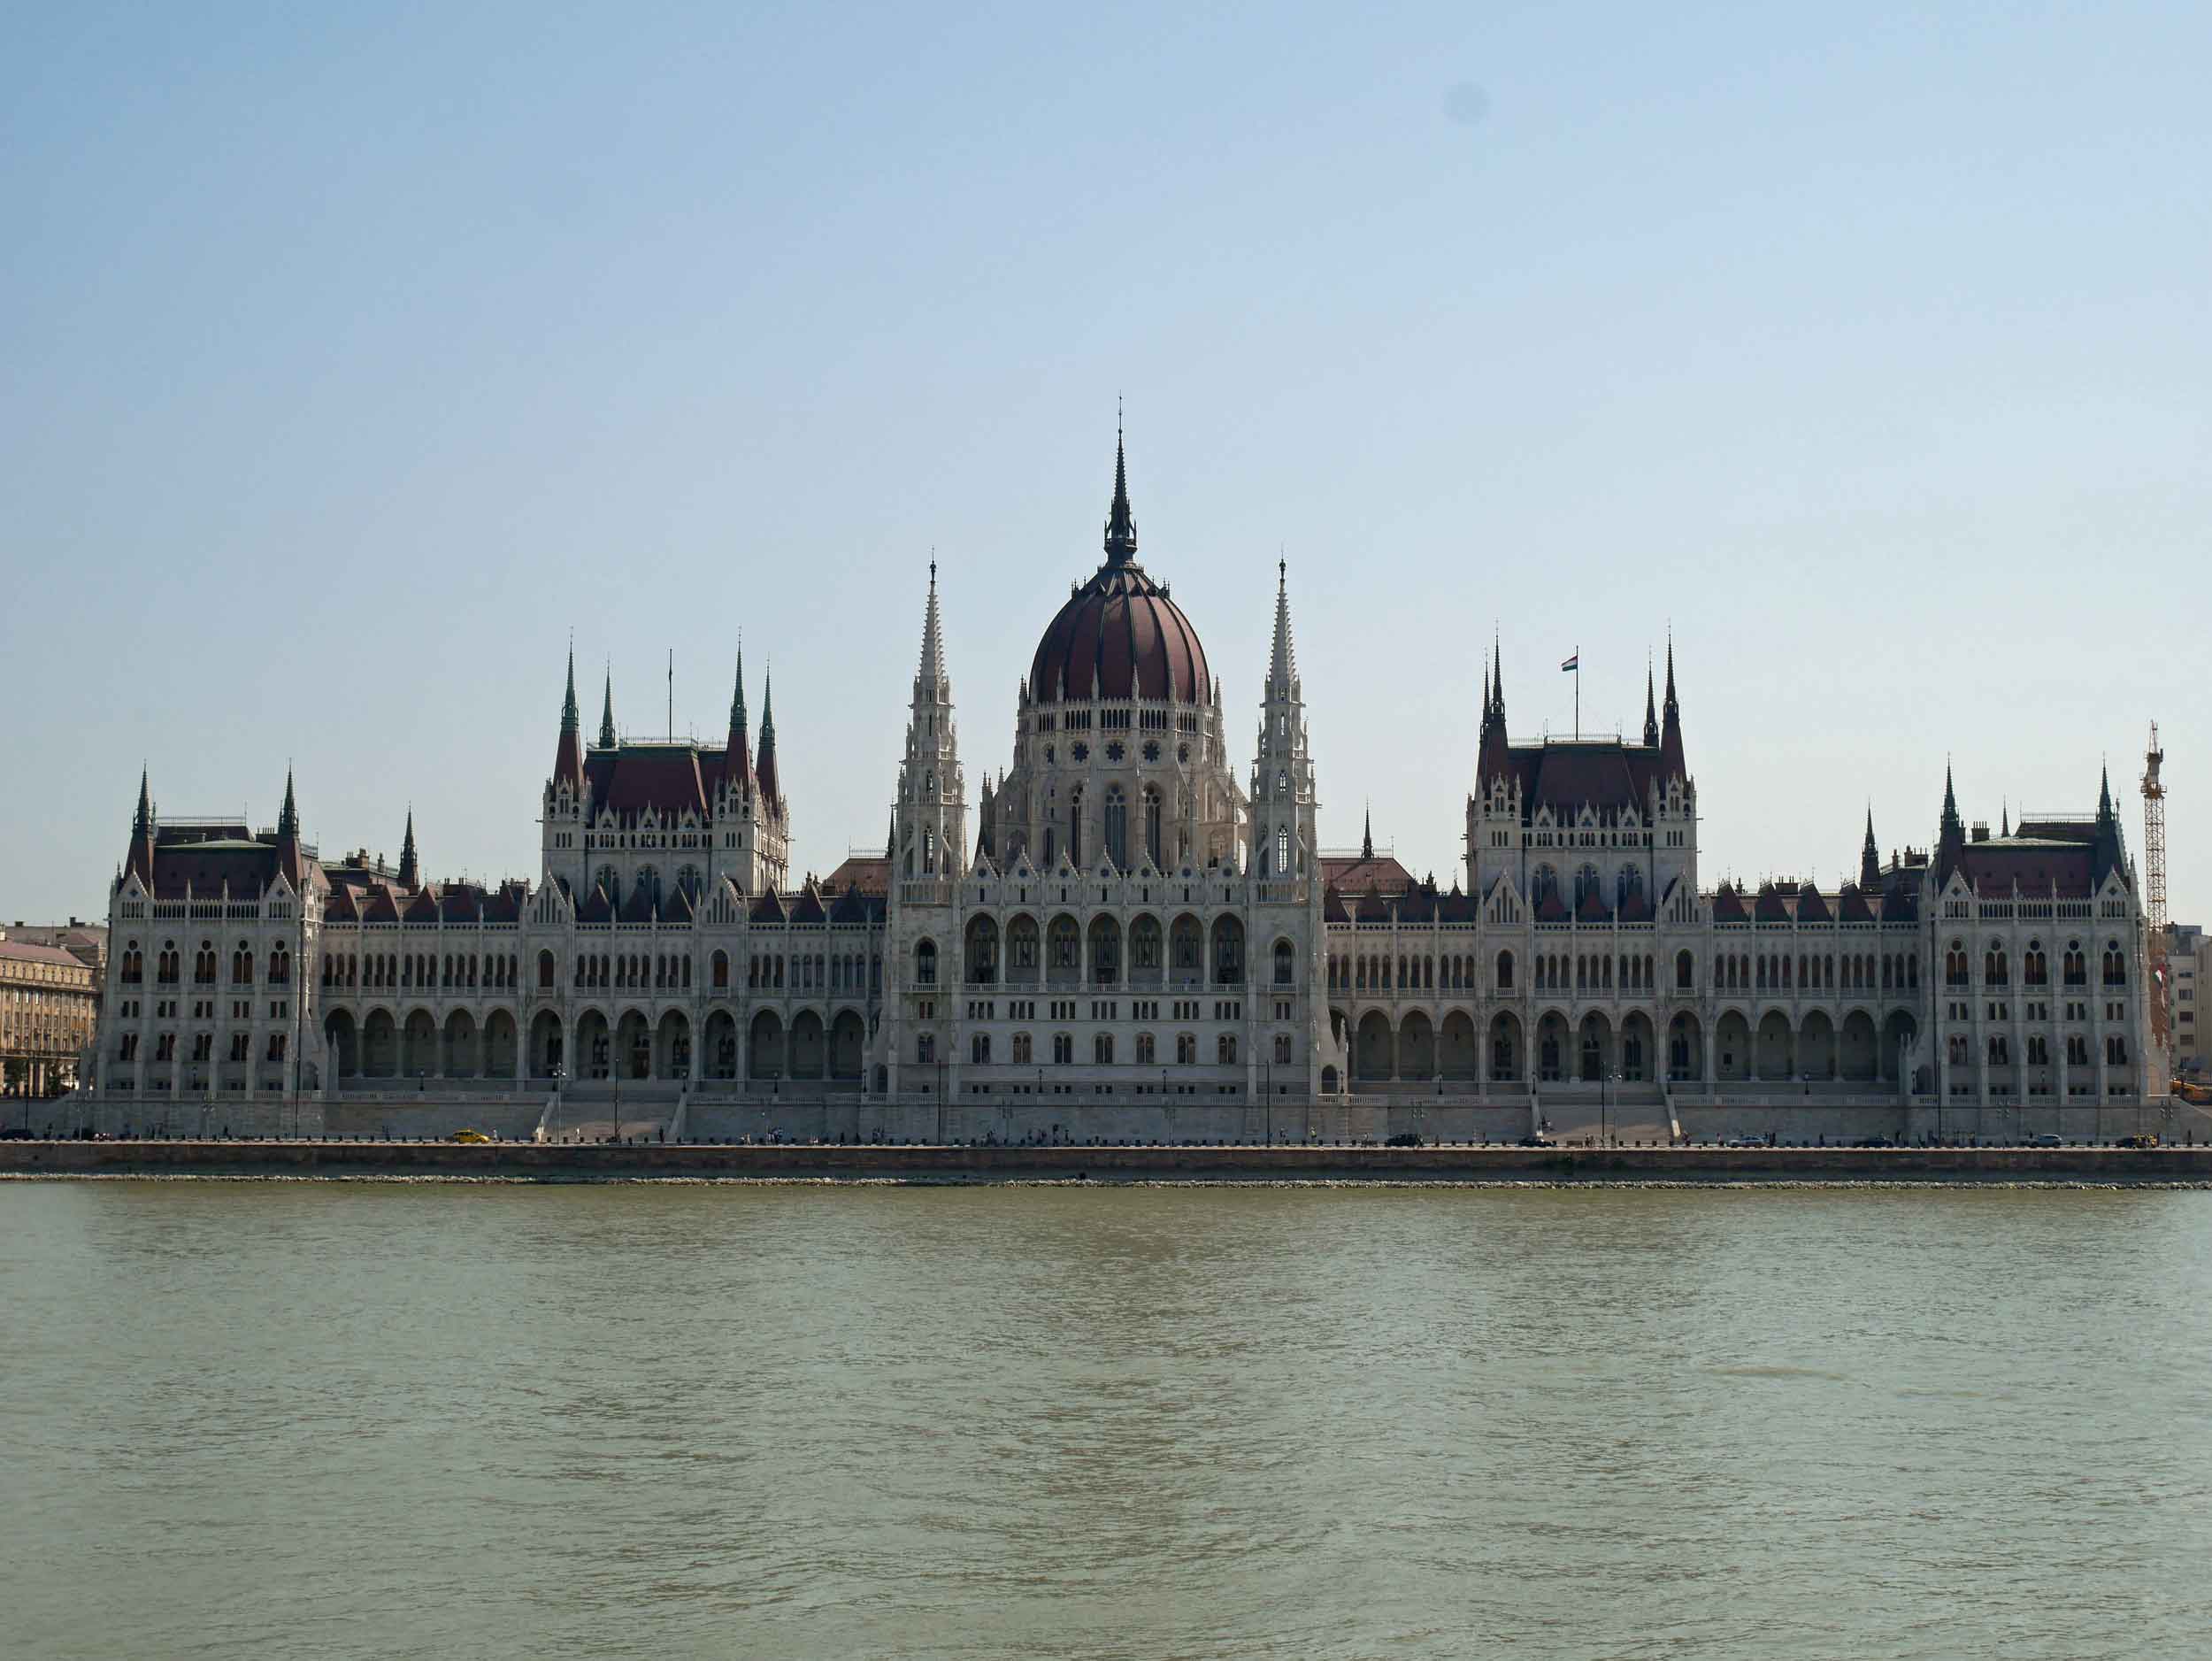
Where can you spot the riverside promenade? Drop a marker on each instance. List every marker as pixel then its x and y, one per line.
pixel 586 1162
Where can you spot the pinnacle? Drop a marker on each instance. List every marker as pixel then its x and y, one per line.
pixel 930 679
pixel 1121 525
pixel 1282 668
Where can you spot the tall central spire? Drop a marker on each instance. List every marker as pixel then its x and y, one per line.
pixel 1121 525
pixel 931 679
pixel 1282 668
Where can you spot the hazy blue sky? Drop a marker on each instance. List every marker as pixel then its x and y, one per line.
pixel 354 355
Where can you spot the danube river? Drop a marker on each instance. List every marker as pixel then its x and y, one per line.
pixel 334 1420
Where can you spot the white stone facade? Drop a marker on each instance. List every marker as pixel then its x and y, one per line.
pixel 1128 939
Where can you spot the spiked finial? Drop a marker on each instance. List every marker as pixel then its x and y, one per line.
pixel 1367 834
pixel 1497 673
pixel 2004 827
pixel 606 713
pixel 288 816
pixel 142 822
pixel 409 872
pixel 1950 799
pixel 1121 525
pixel 1651 713
pixel 2104 793
pixel 570 720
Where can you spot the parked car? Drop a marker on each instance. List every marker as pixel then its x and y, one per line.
pixel 1538 1140
pixel 2145 1140
pixel 470 1136
pixel 2047 1140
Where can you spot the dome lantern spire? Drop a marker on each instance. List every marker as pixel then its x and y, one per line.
pixel 1121 524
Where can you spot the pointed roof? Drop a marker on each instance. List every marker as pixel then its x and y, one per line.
pixel 1869 856
pixel 568 754
pixel 1121 524
pixel 738 762
pixel 1367 836
pixel 289 815
pixel 596 908
pixel 1812 907
pixel 808 908
pixel 341 908
pixel 1282 663
pixel 931 683
pixel 1671 765
pixel 765 767
pixel 140 863
pixel 410 869
pixel 1651 712
pixel 1728 904
pixel 768 908
pixel 606 713
pixel 422 908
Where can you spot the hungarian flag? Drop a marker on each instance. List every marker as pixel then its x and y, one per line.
pixel 1572 664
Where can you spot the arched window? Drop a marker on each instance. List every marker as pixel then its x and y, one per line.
pixel 1075 828
pixel 1286 961
pixel 2075 965
pixel 929 851
pixel 1543 884
pixel 2115 967
pixel 1586 883
pixel 720 970
pixel 925 964
pixel 1685 971
pixel 545 971
pixel 1152 824
pixel 1117 827
pixel 1102 1050
pixel 979 1048
pixel 1505 972
pixel 1282 850
pixel 2035 968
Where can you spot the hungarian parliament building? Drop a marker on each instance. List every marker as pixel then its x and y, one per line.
pixel 1123 927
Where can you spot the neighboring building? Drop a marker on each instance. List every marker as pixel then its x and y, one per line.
pixel 2188 971
pixel 1133 928
pixel 48 1012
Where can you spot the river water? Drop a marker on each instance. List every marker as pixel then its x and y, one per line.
pixel 337 1420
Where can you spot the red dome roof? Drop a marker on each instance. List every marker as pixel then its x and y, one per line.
pixel 1120 636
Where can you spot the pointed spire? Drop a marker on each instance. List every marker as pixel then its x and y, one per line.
pixel 1870 855
pixel 288 816
pixel 140 862
pixel 1282 664
pixel 1671 762
pixel 1951 833
pixel 1951 798
pixel 930 680
pixel 891 833
pixel 409 871
pixel 1367 833
pixel 1497 675
pixel 606 713
pixel 2004 827
pixel 568 753
pixel 1121 525
pixel 739 767
pixel 764 765
pixel 1651 713
pixel 2104 794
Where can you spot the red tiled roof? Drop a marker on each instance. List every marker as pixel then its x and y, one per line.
pixel 1381 873
pixel 871 873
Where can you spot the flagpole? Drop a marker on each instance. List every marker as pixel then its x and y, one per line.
pixel 1579 698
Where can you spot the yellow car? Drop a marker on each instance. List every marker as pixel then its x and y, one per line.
pixel 471 1136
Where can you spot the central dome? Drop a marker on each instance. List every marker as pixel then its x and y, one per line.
pixel 1119 635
